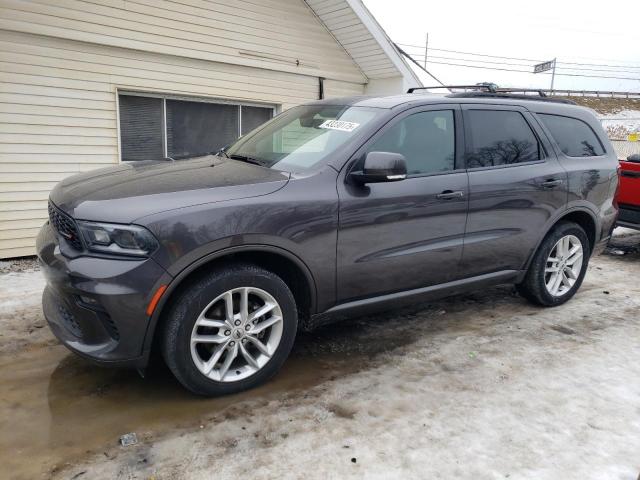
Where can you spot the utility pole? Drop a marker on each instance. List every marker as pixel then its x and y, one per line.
pixel 426 50
pixel 553 75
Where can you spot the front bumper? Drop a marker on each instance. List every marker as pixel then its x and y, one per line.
pixel 96 306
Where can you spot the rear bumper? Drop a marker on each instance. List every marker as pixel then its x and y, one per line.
pixel 96 306
pixel 635 226
pixel 629 216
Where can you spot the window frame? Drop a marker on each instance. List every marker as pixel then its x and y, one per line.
pixel 543 141
pixel 185 98
pixel 390 123
pixel 539 117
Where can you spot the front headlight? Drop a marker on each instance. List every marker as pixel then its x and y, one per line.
pixel 117 239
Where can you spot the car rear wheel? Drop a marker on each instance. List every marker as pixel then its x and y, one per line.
pixel 230 330
pixel 558 267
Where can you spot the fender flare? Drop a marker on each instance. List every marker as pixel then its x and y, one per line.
pixel 552 223
pixel 176 281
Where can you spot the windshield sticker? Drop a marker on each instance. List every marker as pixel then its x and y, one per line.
pixel 339 125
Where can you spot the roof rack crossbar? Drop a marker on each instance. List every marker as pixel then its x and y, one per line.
pixel 523 90
pixel 488 88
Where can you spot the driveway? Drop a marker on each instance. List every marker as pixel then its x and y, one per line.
pixel 476 386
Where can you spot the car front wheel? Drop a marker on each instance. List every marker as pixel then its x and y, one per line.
pixel 230 330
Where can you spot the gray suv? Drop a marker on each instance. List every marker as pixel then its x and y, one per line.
pixel 334 208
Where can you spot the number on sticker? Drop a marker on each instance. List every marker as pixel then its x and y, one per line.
pixel 339 125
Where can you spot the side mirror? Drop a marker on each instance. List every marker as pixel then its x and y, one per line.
pixel 381 167
pixel 635 158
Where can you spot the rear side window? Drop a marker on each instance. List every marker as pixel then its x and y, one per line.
pixel 499 137
pixel 574 137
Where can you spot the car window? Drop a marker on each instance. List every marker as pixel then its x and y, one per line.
pixel 499 137
pixel 574 137
pixel 303 137
pixel 426 139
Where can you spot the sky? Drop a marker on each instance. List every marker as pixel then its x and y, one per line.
pixel 571 31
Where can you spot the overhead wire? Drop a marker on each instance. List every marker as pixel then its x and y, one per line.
pixel 560 67
pixel 560 70
pixel 460 52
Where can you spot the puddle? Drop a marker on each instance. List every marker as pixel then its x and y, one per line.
pixel 56 408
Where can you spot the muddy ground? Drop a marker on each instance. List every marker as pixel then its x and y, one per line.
pixel 473 387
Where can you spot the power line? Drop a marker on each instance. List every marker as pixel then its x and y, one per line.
pixel 402 52
pixel 471 53
pixel 421 57
pixel 596 76
pixel 472 60
pixel 530 72
pixel 484 68
pixel 598 70
pixel 598 65
pixel 630 64
pixel 519 58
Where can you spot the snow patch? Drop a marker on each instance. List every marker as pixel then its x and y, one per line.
pixel 20 290
pixel 620 124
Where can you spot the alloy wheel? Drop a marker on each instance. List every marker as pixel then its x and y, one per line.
pixel 236 334
pixel 563 266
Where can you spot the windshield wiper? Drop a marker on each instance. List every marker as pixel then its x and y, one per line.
pixel 195 155
pixel 245 158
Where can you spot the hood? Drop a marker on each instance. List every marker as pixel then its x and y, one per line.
pixel 124 193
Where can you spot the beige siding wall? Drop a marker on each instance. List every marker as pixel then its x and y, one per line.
pixel 58 93
pixel 333 88
pixel 282 35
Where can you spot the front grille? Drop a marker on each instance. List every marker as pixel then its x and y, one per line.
pixel 65 226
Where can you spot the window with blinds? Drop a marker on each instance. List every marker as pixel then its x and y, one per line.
pixel 141 128
pixel 253 117
pixel 154 128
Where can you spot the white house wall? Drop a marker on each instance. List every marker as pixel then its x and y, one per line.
pixel 62 63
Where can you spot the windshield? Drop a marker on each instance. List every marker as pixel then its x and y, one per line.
pixel 300 138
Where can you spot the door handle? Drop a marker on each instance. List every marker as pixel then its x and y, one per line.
pixel 552 183
pixel 449 194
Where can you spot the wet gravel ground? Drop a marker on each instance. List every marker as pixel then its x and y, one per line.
pixel 16 265
pixel 476 386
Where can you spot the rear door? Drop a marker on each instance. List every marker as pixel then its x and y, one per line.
pixel 515 185
pixel 403 235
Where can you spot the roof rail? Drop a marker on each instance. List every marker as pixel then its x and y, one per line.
pixel 491 90
pixel 488 88
pixel 513 96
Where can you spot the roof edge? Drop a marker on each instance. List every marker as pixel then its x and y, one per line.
pixel 380 36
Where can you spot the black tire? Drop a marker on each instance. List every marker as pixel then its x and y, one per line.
pixel 186 307
pixel 533 287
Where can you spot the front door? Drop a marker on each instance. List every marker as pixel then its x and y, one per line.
pixel 409 234
pixel 515 185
